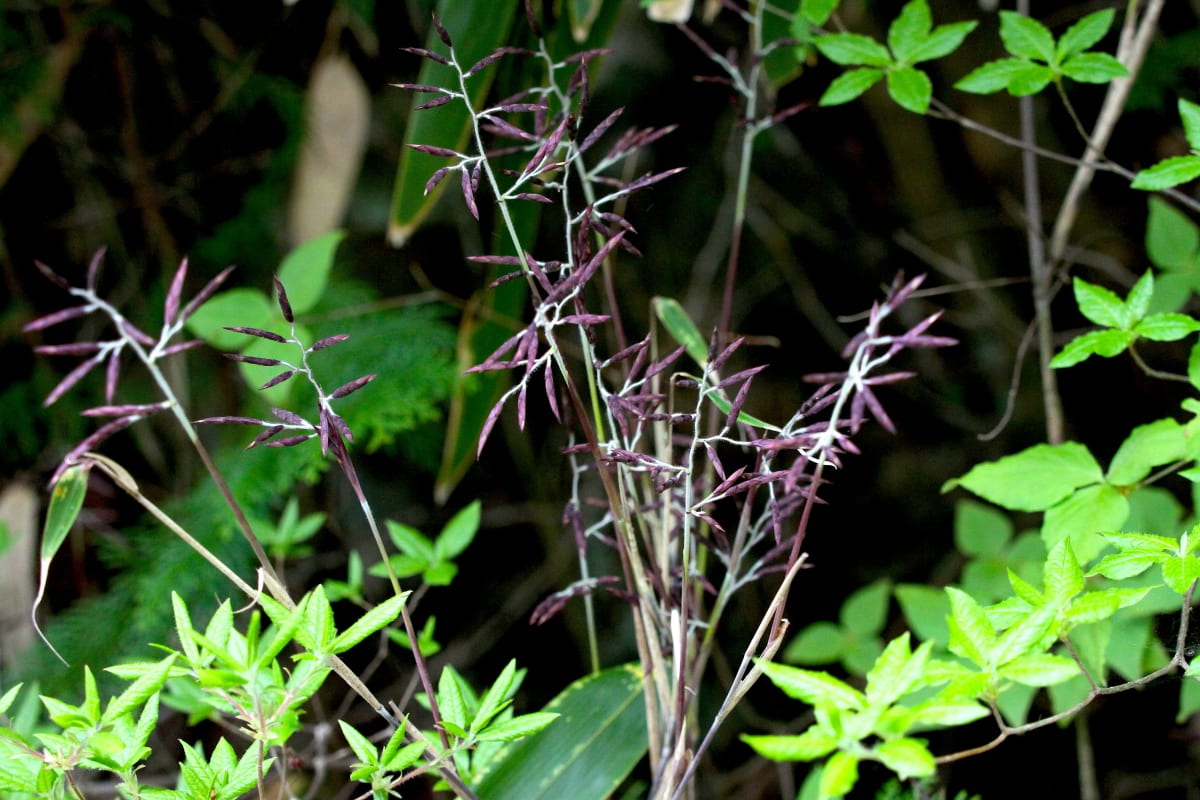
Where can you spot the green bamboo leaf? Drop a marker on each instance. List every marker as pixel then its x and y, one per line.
pixel 599 736
pixel 478 27
pixel 677 322
pixel 66 501
pixel 1033 479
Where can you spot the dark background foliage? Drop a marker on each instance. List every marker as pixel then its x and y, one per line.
pixel 162 130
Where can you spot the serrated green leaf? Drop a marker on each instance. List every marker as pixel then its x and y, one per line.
pixel 1179 572
pixel 850 85
pixel 814 743
pixel 941 713
pixel 1084 33
pixel 378 617
pixel 971 634
pixel 585 754
pixel 497 696
pixel 814 688
pixel 1101 306
pixel 853 49
pixel 944 40
pixel 909 29
pixel 1032 633
pixel 1166 327
pixel 1033 479
pixel 451 698
pixel 1167 173
pixel 1105 343
pixel 839 775
pixel 992 76
pixel 1172 239
pixel 1040 669
pixel 910 88
pixel 1082 516
pixel 1102 604
pixel 896 671
pixel 908 758
pixel 510 730
pixel 1137 303
pixel 1147 446
pixel 411 541
pixel 1093 68
pixel 360 745
pixel 1025 37
pixel 140 691
pixel 1063 575
pixel 1030 80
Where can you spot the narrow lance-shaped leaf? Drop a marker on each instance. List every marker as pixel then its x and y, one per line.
pixel 66 501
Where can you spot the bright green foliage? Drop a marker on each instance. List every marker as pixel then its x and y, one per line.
pixel 911 39
pixel 1037 59
pixel 286 539
pixel 855 641
pixel 985 535
pixel 432 559
pixel 871 725
pixel 66 501
pixel 1173 246
pixel 380 769
pixel 1137 552
pixel 222 777
pixel 1177 169
pixel 1124 322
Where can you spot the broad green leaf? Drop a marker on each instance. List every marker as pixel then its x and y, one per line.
pixel 1105 343
pixel 598 738
pixel 1094 68
pixel 66 501
pixel 1030 80
pixel 908 758
pixel 360 745
pixel 1025 37
pixel 980 531
pixel 1040 669
pixel 839 775
pixel 1063 575
pixel 992 76
pixel 1179 572
pixel 250 308
pixel 1189 695
pixel 909 29
pixel 853 49
pixel 947 713
pixel 1100 605
pixel 304 272
pixel 814 688
pixel 675 319
pixel 1172 239
pixel 1189 113
pixel 944 40
pixel 865 611
pixel 817 11
pixel 411 541
pixel 971 635
pixel 814 743
pixel 378 617
pixel 1083 34
pixel 1147 446
pixel 459 532
pixel 1166 327
pixel 1101 306
pixel 1081 518
pixel 910 88
pixel 1167 173
pixel 850 85
pixel 1033 479
pixel 925 609
pixel 819 643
